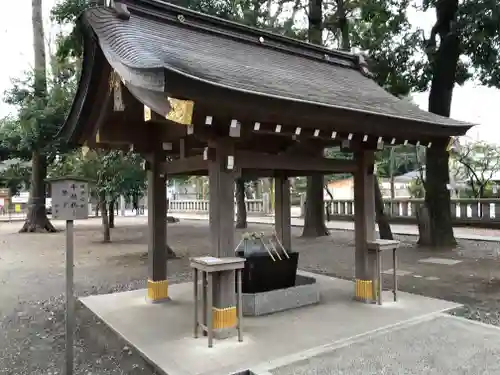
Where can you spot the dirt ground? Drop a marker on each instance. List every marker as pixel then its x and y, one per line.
pixel 32 285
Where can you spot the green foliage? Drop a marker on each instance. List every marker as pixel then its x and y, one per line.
pixel 381 31
pixel 416 188
pixel 15 177
pixel 397 52
pixel 477 26
pixel 114 173
pixel 66 13
pixel 39 115
pixel 12 141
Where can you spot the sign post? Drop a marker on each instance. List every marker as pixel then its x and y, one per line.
pixel 70 198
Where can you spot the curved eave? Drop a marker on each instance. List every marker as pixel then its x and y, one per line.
pixel 88 105
pixel 251 106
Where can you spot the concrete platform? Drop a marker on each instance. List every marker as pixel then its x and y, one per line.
pixel 163 333
pixel 440 345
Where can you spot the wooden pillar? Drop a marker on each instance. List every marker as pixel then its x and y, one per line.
pixel 221 214
pixel 282 211
pixel 364 221
pixel 157 229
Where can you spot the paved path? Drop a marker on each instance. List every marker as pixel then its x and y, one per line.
pixel 440 345
pixel 464 233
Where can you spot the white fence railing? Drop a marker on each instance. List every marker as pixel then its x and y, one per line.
pixel 463 210
pixel 258 206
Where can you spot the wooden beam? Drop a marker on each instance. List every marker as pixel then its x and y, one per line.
pixel 284 162
pixel 253 174
pixel 136 132
pixel 189 165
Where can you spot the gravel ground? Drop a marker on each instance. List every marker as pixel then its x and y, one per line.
pixel 32 286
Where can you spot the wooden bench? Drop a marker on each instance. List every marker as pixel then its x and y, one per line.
pixel 207 266
pixel 376 248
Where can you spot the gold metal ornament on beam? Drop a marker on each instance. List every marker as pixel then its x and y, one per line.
pixel 181 111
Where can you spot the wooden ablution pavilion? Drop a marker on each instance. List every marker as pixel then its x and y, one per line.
pixel 198 95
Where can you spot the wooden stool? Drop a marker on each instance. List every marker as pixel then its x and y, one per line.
pixel 208 266
pixel 375 248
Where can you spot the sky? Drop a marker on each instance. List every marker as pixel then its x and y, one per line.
pixel 471 103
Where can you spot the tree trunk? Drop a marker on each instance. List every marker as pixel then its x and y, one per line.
pixel 423 223
pixel 444 64
pixel 36 220
pixel 314 217
pixel 111 214
pixel 315 28
pixel 105 221
pixel 345 43
pixel 437 200
pixel 135 204
pixel 97 210
pixel 241 209
pixel 384 228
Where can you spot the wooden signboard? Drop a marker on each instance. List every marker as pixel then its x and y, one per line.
pixel 70 199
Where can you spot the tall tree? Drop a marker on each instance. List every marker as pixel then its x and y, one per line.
pixel 36 219
pixel 31 134
pixel 314 216
pixel 463 44
pixel 443 64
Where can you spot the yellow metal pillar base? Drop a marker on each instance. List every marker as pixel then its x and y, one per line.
pixel 157 291
pixel 364 291
pixel 224 318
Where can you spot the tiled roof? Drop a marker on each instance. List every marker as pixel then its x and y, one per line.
pixel 160 36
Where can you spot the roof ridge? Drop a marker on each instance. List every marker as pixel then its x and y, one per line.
pixel 287 44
